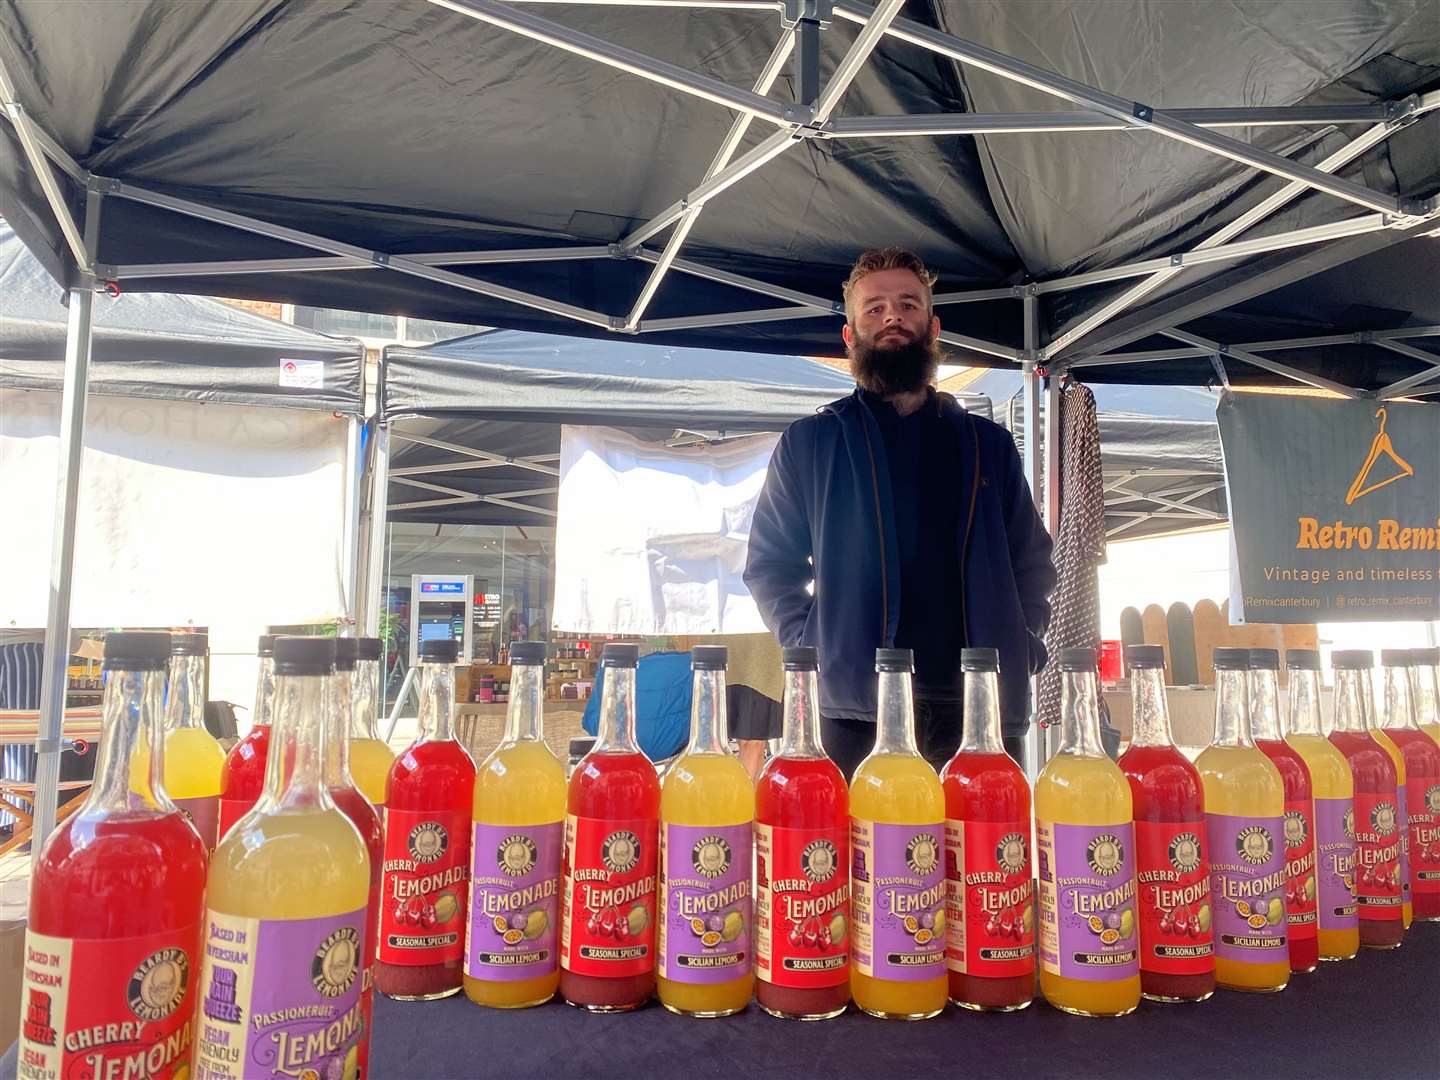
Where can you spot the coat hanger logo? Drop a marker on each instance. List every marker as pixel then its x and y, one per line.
pixel 1380 447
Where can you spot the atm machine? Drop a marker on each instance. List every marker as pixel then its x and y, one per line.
pixel 442 608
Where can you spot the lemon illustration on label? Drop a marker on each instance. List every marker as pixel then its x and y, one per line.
pixel 352 1063
pixel 1027 919
pixel 638 919
pixel 1277 911
pixel 838 930
pixel 1127 923
pixel 939 923
pixel 1202 916
pixel 446 907
pixel 1309 889
pixel 535 924
pixel 734 923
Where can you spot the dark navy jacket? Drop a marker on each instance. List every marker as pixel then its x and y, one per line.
pixel 825 516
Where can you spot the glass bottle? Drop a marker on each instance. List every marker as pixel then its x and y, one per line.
pixel 1425 686
pixel 244 776
pixel 1421 798
pixel 194 761
pixel 1172 866
pixel 370 758
pixel 1376 724
pixel 116 901
pixel 1085 838
pixel 802 859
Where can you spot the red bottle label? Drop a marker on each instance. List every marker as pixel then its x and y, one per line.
pixel 802 906
pixel 424 887
pixel 1423 796
pixel 122 1007
pixel 1301 906
pixel 1173 881
pixel 1377 855
pixel 989 918
pixel 608 917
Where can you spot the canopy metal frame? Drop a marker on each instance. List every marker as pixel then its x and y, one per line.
pixel 809 118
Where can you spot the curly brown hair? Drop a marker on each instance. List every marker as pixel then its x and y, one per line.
pixel 888 258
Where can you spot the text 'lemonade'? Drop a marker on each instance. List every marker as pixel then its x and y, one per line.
pixel 362 814
pixel 194 761
pixel 802 862
pixel 1421 758
pixel 707 824
pixel 243 778
pixel 989 917
pixel 285 908
pixel 1302 886
pixel 897 879
pixel 112 949
pixel 1085 839
pixel 1375 821
pixel 425 890
pixel 1172 868
pixel 512 938
pixel 1245 827
pixel 607 916
pixel 1334 789
pixel 370 759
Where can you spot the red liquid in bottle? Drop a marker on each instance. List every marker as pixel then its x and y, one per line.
pixel 427 828
pixel 1422 776
pixel 1302 925
pixel 243 778
pixel 987 796
pixel 802 801
pixel 1378 900
pixel 612 829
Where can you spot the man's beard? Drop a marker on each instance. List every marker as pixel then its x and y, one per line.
pixel 894 366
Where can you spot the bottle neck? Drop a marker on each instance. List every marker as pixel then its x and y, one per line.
pixel 185 695
pixel 1265 705
pixel 801 737
pixel 264 714
pixel 982 714
pixel 1080 715
pixel 1425 689
pixel 524 719
pixel 1150 725
pixel 1304 718
pixel 1349 701
pixel 364 699
pixel 437 702
pixel 1367 699
pixel 295 766
pixel 895 726
pixel 1232 709
pixel 1399 704
pixel 709 732
pixel 337 742
pixel 131 724
pixel 617 712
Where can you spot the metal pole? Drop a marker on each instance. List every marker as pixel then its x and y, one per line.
pixel 405 688
pixel 350 542
pixel 375 522
pixel 1036 755
pixel 921 124
pixel 54 677
pixel 1262 362
pixel 1052 485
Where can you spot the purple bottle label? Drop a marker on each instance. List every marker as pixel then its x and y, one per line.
pixel 706 901
pixel 280 997
pixel 1402 821
pixel 1088 927
pixel 1335 863
pixel 514 901
pixel 897 897
pixel 1247 883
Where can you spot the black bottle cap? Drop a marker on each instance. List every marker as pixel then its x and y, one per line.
pixel 800 658
pixel 266 645
pixel 439 651
pixel 618 654
pixel 1230 659
pixel 1264 660
pixel 347 649
pixel 1145 656
pixel 304 655
pixel 369 648
pixel 194 643
pixel 709 657
pixel 136 650
pixel 527 653
pixel 1077 660
pixel 1352 659
pixel 1302 659
pixel 895 660
pixel 979 659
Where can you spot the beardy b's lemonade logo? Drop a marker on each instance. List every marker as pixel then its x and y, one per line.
pixel 158 985
pixel 1383 818
pixel 334 966
pixel 1255 845
pixel 1184 852
pixel 1432 799
pixel 620 852
pixel 516 855
pixel 1010 853
pixel 1297 829
pixel 818 861
pixel 427 841
pixel 1105 854
pixel 922 854
pixel 710 856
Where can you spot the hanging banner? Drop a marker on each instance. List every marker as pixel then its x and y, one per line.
pixel 1334 508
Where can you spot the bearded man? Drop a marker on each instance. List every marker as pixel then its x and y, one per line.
pixel 893 518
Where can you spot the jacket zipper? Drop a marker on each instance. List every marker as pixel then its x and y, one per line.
pixel 880 530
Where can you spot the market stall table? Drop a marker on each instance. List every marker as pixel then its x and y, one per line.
pixel 1369 1017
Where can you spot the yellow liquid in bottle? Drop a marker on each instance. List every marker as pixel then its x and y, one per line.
pixel 898 789
pixel 193 765
pixel 1433 730
pixel 520 785
pixel 1330 778
pixel 1241 781
pixel 1081 790
pixel 370 761
pixel 706 790
pixel 1407 909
